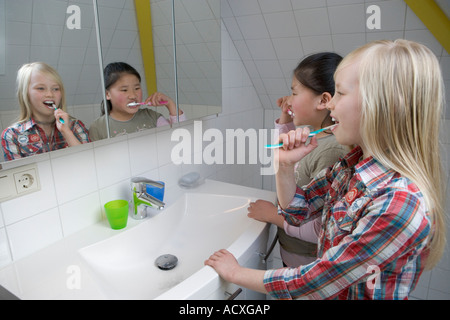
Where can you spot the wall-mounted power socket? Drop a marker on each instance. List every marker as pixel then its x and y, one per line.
pixel 26 181
pixel 18 181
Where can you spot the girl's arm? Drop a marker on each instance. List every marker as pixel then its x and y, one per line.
pixel 292 151
pixel 73 131
pixel 65 128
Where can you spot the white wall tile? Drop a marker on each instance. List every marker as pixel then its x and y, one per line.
pixel 261 49
pixel 288 48
pixel 32 234
pixel 252 27
pixel 275 6
pixel 112 163
pixel 281 24
pixel 347 19
pixel 440 280
pixel 5 256
pixel 308 4
pixel 164 147
pixel 74 175
pixel 80 213
pixel 243 8
pixel 142 151
pixel 314 44
pixel 312 22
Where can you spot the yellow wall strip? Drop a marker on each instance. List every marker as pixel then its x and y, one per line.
pixel 433 18
pixel 144 18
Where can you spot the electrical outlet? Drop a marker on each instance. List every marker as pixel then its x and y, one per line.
pixel 25 181
pixel 18 182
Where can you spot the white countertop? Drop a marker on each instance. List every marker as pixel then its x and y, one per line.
pixel 57 271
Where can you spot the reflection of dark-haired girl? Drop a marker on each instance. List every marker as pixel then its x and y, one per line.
pixel 124 94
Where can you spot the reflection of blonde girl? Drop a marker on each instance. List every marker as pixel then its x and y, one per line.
pixel 123 86
pixel 37 131
pixel 312 88
pixel 382 205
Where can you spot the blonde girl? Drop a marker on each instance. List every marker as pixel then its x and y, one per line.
pixel 382 205
pixel 41 97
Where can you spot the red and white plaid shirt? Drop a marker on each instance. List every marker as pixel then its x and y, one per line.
pixel 374 237
pixel 26 138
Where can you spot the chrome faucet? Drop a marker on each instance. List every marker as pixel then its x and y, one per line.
pixel 141 199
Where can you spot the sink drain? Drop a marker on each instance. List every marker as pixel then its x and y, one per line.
pixel 166 262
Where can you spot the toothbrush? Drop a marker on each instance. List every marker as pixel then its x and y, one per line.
pixel 311 134
pixel 52 104
pixel 61 120
pixel 134 104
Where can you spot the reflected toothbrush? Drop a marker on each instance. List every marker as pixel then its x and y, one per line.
pixel 135 104
pixel 311 134
pixel 51 104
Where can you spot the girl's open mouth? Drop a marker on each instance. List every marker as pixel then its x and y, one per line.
pixel 50 104
pixel 336 124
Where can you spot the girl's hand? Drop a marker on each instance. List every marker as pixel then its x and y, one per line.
pixel 285 117
pixel 294 147
pixel 62 127
pixel 158 99
pixel 225 264
pixel 265 211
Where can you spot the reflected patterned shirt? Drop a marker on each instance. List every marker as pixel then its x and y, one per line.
pixel 374 237
pixel 26 138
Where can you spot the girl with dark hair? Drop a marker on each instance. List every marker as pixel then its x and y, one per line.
pixel 123 94
pixel 312 88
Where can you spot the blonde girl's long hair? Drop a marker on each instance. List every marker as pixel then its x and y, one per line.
pixel 402 94
pixel 23 83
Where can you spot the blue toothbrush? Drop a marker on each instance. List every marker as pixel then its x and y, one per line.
pixel 60 119
pixel 311 134
pixel 52 105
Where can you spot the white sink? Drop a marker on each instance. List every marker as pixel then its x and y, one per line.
pixel 192 228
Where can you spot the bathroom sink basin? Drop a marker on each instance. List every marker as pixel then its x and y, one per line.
pixel 190 229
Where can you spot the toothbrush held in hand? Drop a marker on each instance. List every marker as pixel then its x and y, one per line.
pixel 135 104
pixel 311 134
pixel 51 104
pixel 61 120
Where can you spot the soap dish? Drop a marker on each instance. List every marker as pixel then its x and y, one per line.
pixel 190 180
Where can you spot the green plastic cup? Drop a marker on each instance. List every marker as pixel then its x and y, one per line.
pixel 117 213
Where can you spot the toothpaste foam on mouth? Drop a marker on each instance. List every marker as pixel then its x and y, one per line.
pixel 50 104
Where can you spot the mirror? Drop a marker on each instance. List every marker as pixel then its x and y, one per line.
pixel 198 57
pixel 30 32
